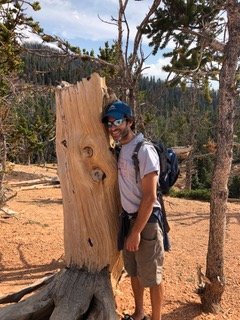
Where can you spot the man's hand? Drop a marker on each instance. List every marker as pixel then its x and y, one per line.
pixel 133 241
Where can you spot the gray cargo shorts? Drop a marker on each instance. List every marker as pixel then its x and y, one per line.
pixel 147 262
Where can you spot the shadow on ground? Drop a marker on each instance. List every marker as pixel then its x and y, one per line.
pixel 186 311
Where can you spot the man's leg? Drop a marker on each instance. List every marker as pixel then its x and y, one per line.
pixel 138 291
pixel 156 294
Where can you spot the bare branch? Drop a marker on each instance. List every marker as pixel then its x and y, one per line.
pixel 108 22
pixel 74 56
pixel 145 21
pixel 15 297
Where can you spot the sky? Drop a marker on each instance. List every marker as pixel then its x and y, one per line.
pixel 78 22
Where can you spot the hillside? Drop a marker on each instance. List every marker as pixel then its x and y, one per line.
pixel 32 246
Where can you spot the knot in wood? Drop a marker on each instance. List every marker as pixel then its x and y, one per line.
pixel 64 142
pixel 88 152
pixel 97 174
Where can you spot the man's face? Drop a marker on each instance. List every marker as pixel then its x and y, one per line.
pixel 119 129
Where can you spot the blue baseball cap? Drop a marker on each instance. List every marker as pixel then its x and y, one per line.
pixel 117 110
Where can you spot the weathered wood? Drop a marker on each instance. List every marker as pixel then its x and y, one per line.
pixel 82 293
pixel 45 180
pixel 182 152
pixel 88 176
pixel 40 186
pixel 8 213
pixel 17 296
pixel 72 294
pixel 37 307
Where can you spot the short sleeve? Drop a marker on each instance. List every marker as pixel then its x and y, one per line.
pixel 148 160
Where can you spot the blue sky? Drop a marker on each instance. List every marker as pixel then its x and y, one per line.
pixel 77 21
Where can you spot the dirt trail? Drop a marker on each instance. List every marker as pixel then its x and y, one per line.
pixel 31 246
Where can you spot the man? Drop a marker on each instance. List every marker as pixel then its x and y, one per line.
pixel 143 251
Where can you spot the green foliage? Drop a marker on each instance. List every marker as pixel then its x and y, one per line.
pixel 234 187
pixel 50 68
pixel 12 15
pixel 183 22
pixel 109 54
pixel 13 21
pixel 32 137
pixel 170 115
pixel 198 194
pixel 202 179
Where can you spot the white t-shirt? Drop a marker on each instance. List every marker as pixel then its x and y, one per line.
pixel 130 190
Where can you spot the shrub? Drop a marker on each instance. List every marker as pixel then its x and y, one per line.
pixel 198 194
pixel 203 177
pixel 234 187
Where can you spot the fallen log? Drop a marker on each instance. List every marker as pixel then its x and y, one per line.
pixel 38 306
pixel 182 152
pixel 17 296
pixel 8 211
pixel 44 180
pixel 43 186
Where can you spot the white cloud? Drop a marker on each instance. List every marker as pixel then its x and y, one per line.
pixel 69 20
pixel 79 19
pixel 155 69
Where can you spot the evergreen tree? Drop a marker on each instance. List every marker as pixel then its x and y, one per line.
pixel 194 27
pixel 12 15
pixel 32 136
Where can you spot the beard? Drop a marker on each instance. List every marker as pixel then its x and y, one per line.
pixel 121 135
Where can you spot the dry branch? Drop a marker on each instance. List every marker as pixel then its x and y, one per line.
pixel 38 306
pixel 54 180
pixel 40 186
pixel 8 212
pixel 233 200
pixel 182 152
pixel 17 296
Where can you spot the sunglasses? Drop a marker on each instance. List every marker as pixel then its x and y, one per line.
pixel 115 123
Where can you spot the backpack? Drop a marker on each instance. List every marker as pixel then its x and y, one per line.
pixel 169 168
pixel 169 172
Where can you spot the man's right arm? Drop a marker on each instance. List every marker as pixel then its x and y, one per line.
pixel 149 189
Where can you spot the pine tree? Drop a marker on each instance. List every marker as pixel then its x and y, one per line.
pixel 194 27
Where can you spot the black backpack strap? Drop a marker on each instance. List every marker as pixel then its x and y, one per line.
pixel 165 222
pixel 135 158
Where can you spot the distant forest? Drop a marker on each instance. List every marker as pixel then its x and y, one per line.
pixel 177 116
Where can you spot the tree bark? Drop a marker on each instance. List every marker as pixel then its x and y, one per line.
pixel 189 167
pixel 3 156
pixel 80 294
pixel 73 294
pixel 88 177
pixel 214 289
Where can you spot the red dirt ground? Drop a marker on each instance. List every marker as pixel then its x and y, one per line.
pixel 31 246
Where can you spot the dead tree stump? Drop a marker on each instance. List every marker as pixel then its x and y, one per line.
pixel 88 177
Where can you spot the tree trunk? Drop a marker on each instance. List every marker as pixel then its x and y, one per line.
pixel 189 168
pixel 88 177
pixel 214 289
pixel 193 118
pixel 3 156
